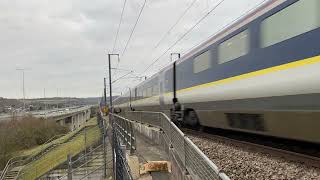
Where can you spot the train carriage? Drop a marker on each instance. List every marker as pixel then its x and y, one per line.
pixel 260 75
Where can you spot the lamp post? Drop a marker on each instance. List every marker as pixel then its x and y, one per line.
pixel 45 104
pixel 23 88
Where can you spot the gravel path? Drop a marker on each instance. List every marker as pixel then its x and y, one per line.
pixel 244 162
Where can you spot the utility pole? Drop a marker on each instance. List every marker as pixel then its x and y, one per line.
pixel 110 82
pixel 23 88
pixel 105 95
pixel 45 104
pixel 57 98
pixel 110 117
pixel 174 78
pixel 171 55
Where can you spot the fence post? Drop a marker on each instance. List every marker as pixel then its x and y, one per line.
pixel 131 138
pixel 69 167
pixel 160 120
pixel 185 156
pixel 85 150
pixel 113 146
pixel 126 134
pixel 170 135
pixel 104 153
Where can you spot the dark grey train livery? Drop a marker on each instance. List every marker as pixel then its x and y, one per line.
pixel 260 75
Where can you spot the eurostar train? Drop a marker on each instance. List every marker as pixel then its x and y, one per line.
pixel 260 75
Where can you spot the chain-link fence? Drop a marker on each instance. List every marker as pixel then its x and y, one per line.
pixel 186 152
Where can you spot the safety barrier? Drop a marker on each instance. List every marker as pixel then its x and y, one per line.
pixel 188 155
pixel 123 139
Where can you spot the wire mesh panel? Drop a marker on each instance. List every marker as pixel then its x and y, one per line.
pixel 151 118
pixel 125 131
pixel 177 140
pixel 187 153
pixel 122 170
pixel 165 125
pixel 123 139
pixel 197 165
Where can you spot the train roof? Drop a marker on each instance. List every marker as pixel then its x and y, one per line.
pixel 242 21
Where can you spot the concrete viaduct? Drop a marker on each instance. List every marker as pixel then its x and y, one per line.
pixel 73 118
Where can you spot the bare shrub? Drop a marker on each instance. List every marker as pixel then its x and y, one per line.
pixel 25 133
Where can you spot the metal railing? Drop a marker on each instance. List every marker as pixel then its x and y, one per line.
pixel 29 172
pixel 82 162
pixel 124 129
pixel 121 130
pixel 24 159
pixel 11 164
pixel 188 155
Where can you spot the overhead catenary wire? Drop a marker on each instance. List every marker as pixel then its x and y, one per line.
pixel 134 27
pixel 122 77
pixel 224 27
pixel 227 25
pixel 175 24
pixel 181 37
pixel 131 34
pixel 119 26
pixel 117 34
pixel 172 27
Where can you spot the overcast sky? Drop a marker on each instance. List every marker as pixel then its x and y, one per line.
pixel 63 44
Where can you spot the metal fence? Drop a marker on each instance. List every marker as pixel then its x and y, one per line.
pixel 188 155
pixel 123 139
pixel 82 163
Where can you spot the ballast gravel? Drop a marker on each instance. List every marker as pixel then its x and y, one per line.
pixel 242 162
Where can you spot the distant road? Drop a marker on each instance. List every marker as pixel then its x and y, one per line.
pixel 47 113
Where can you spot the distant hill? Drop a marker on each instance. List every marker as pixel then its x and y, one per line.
pixel 48 103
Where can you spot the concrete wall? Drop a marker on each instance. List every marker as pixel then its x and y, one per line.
pixel 75 120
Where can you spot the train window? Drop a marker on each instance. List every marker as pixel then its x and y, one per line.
pixel 234 47
pixel 296 19
pixel 202 62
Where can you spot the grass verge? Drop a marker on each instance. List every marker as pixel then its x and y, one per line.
pixel 59 154
pixel 36 150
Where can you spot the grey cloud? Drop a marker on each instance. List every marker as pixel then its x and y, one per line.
pixel 65 43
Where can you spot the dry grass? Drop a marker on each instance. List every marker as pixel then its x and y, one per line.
pixel 35 150
pixel 28 132
pixel 59 154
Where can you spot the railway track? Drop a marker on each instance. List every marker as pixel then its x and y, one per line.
pixel 247 160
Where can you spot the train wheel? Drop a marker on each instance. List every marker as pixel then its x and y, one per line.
pixel 191 118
